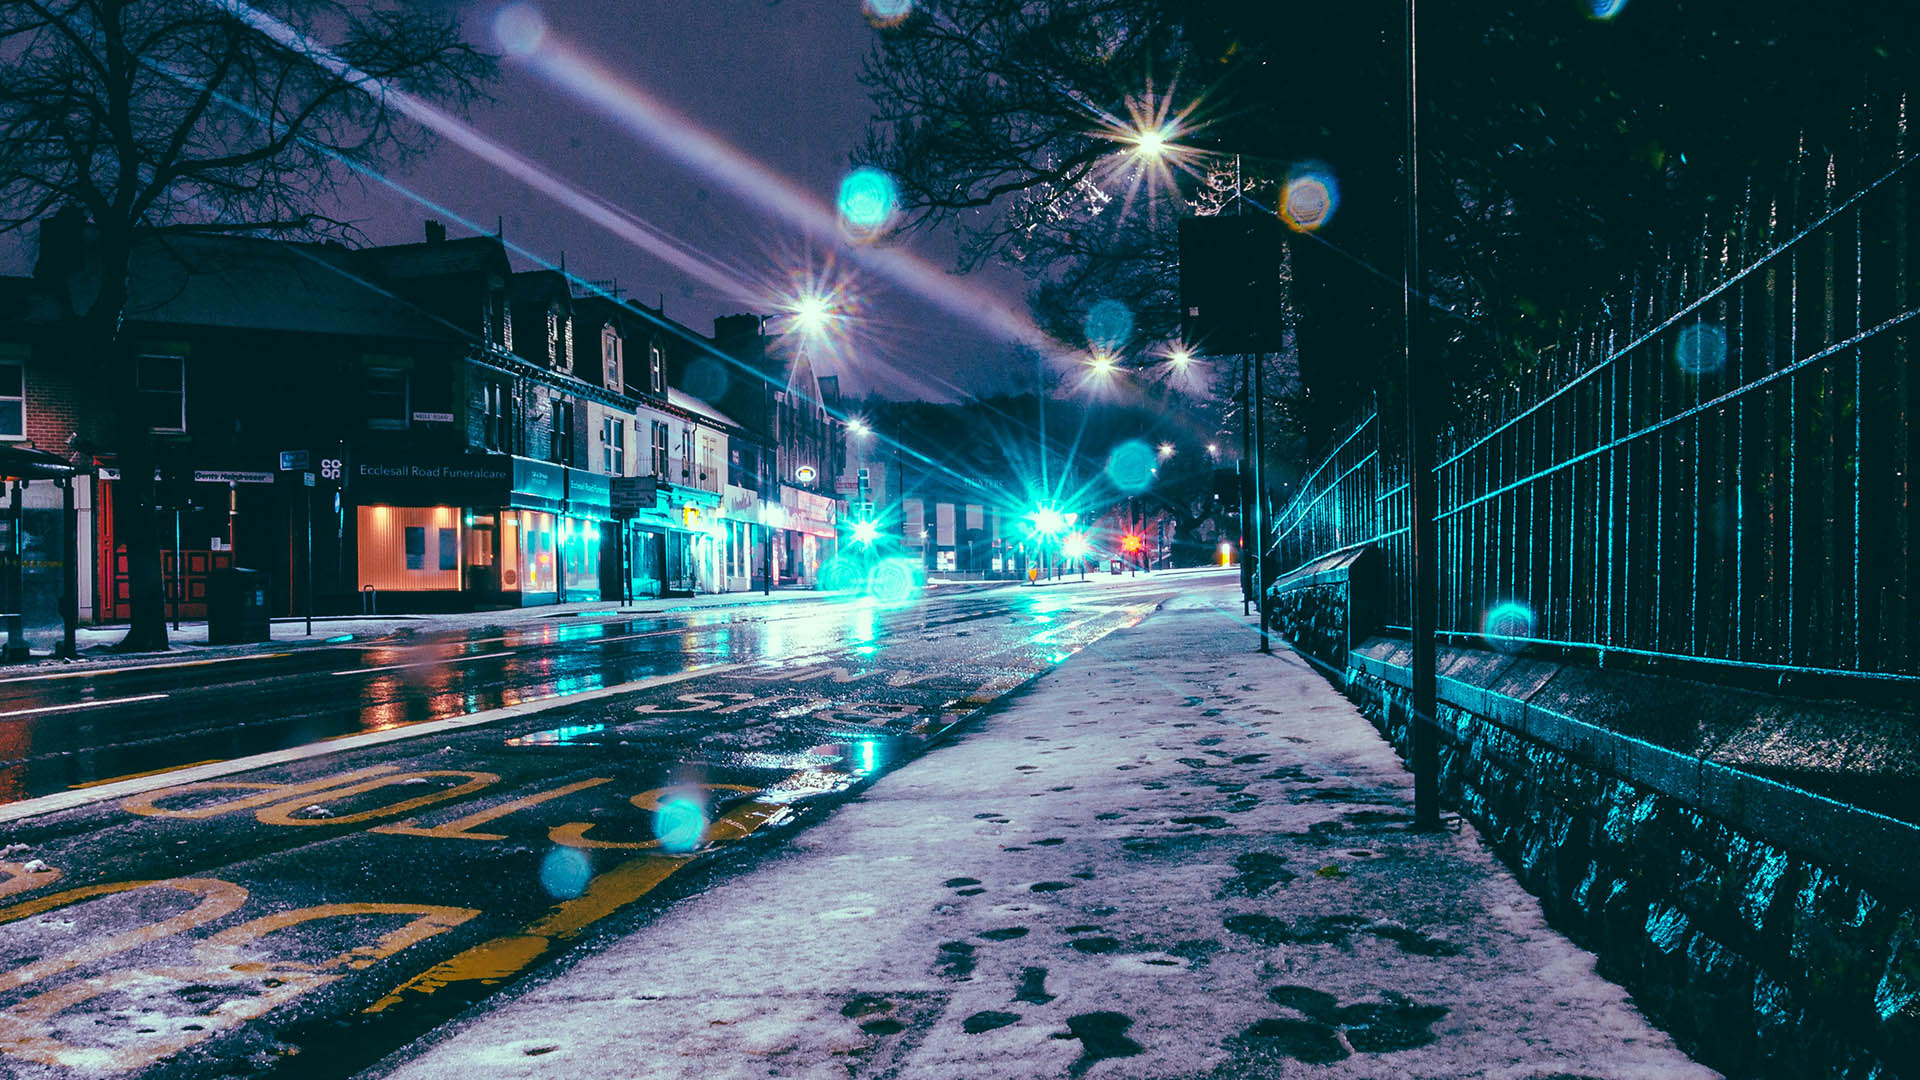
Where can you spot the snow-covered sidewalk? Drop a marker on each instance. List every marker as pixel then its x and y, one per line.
pixel 1169 857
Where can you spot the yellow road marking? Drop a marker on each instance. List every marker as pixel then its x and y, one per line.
pixel 494 961
pixel 282 813
pixel 19 881
pixel 218 899
pixel 143 804
pixel 457 829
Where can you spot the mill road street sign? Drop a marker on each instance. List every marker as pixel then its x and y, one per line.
pixel 293 460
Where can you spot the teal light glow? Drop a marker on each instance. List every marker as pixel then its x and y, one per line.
pixel 564 873
pixel 867 198
pixel 680 823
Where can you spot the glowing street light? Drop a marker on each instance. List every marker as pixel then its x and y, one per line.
pixel 1102 363
pixel 812 314
pixel 1213 449
pixel 1049 522
pixel 1075 546
pixel 1150 143
pixel 1180 357
pixel 1166 450
pixel 865 532
pixel 858 426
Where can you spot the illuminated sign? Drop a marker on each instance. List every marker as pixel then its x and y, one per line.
pixel 805 474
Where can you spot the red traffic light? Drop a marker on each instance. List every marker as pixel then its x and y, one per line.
pixel 1133 543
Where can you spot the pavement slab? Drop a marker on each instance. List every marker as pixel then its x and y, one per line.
pixel 1168 857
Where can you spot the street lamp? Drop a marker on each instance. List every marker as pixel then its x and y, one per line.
pixel 1166 450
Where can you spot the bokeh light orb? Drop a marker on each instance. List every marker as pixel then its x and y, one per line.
pixel 1130 466
pixel 1309 198
pixel 1700 349
pixel 564 873
pixel 680 823
pixel 867 198
pixel 1605 9
pixel 887 12
pixel 519 28
pixel 1109 324
pixel 1506 622
pixel 892 583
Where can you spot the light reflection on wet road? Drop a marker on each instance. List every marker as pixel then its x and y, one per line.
pixel 301 919
pixel 72 729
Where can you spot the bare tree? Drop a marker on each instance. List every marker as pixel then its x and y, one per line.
pixel 157 116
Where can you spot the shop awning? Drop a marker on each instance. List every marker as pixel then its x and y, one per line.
pixel 20 463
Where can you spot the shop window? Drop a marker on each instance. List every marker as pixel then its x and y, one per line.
pixel 161 385
pixel 13 398
pixel 394 543
pixel 416 547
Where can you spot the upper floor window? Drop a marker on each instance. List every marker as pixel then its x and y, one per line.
pixel 562 434
pixel 566 343
pixel 160 384
pixel 686 452
pixel 613 438
pixel 610 361
pixel 386 397
pixel 553 338
pixel 13 396
pixel 657 368
pixel 497 419
pixel 659 448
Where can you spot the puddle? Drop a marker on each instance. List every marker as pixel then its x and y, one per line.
pixel 1050 886
pixel 1004 934
pixel 988 1021
pixel 956 959
pixel 1303 1040
pixel 1259 871
pixel 1102 1035
pixel 1033 986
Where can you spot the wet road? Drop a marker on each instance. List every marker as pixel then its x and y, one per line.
pixel 305 918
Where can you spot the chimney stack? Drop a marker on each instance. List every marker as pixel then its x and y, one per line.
pixel 436 232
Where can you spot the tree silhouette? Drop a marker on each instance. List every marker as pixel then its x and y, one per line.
pixel 155 116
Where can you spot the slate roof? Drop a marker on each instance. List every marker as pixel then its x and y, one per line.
pixel 261 284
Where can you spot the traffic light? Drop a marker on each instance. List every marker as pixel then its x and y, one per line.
pixel 1133 543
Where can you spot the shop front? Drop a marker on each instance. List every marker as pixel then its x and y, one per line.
pixel 438 533
pixel 633 555
pixel 689 564
pixel 811 535
pixel 741 546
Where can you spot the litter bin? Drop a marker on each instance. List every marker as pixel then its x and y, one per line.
pixel 237 607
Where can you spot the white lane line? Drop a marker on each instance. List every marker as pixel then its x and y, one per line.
pixel 192 774
pixel 94 673
pixel 425 663
pixel 82 705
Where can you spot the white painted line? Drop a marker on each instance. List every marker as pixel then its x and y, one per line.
pixel 425 663
pixel 82 705
pixel 120 789
pixel 92 673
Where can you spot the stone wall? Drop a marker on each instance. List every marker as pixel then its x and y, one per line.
pixel 1775 937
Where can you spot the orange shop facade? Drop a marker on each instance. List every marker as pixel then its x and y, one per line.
pixel 469 531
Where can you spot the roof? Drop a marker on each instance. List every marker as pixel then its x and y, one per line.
pixel 682 400
pixel 188 279
pixel 466 255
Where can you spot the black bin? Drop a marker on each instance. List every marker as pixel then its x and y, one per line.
pixel 237 607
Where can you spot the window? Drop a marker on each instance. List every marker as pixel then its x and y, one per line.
pixel 566 343
pixel 386 397
pixel 553 338
pixel 657 368
pixel 610 360
pixel 160 383
pixel 416 547
pixel 493 409
pixel 614 437
pixel 686 452
pixel 562 444
pixel 13 398
pixel 659 448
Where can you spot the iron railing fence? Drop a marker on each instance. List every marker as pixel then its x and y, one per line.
pixel 1718 468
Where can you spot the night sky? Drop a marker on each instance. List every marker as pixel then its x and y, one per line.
pixel 777 80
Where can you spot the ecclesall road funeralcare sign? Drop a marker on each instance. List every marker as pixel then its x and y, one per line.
pixel 470 480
